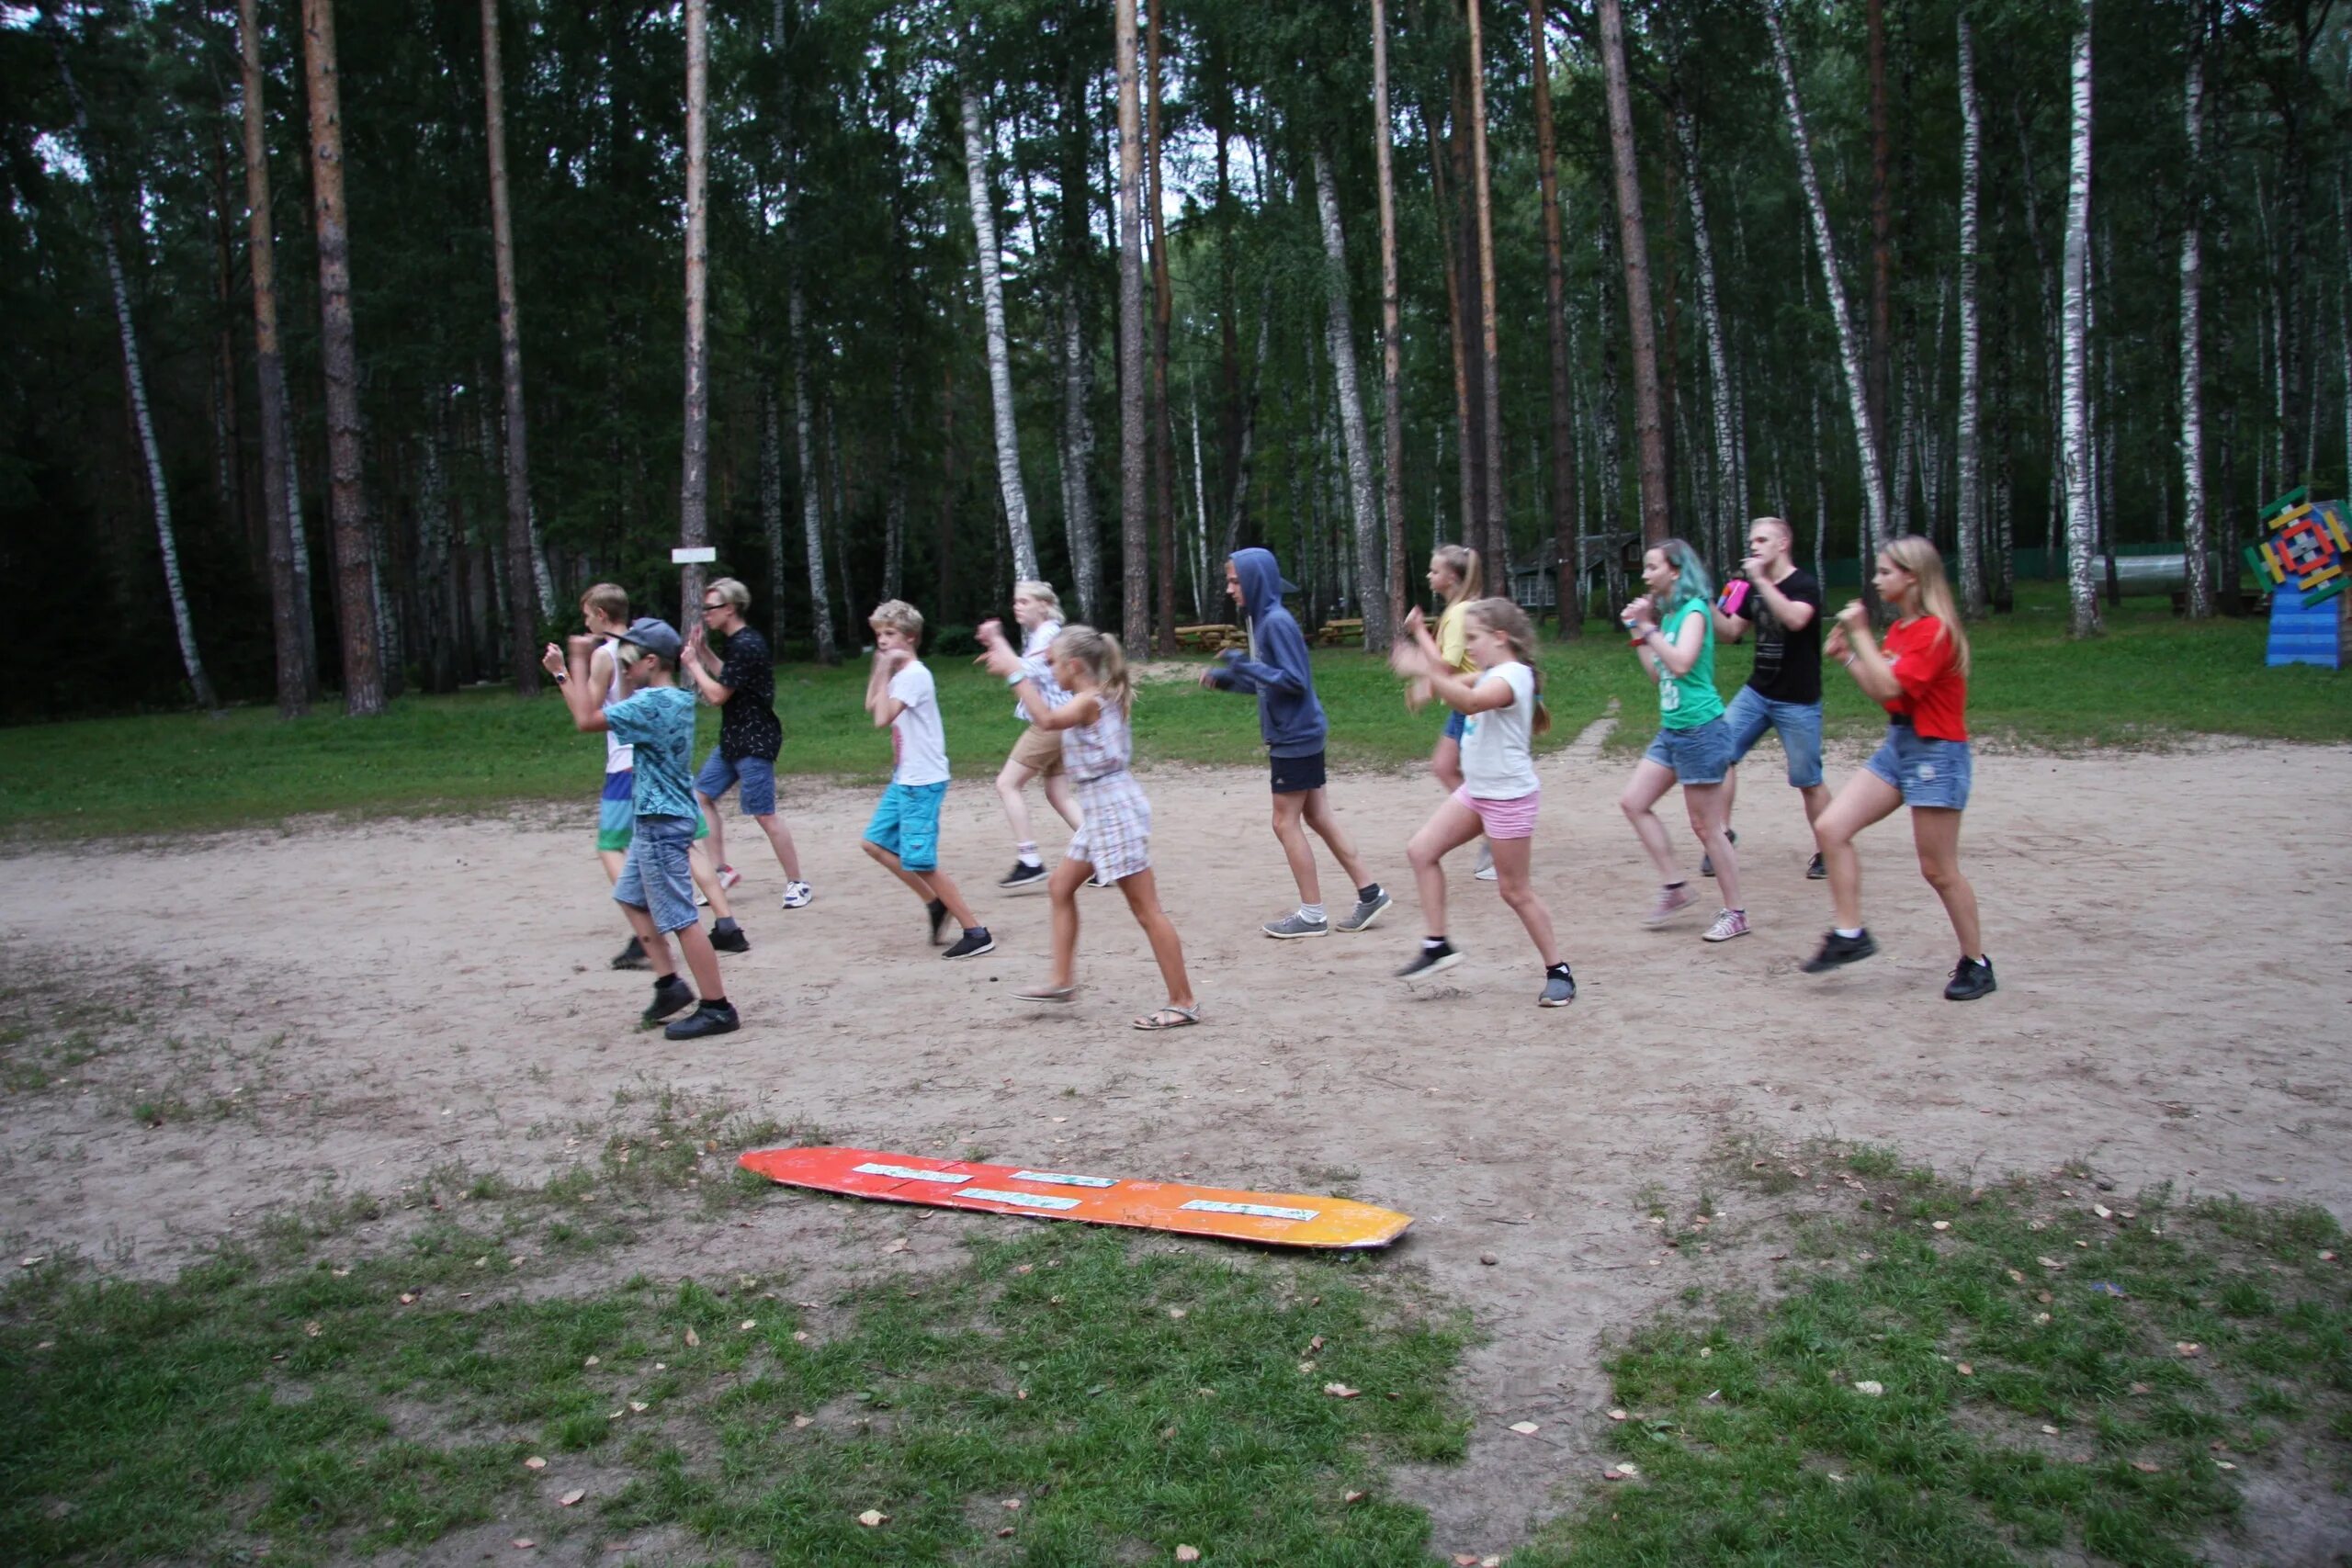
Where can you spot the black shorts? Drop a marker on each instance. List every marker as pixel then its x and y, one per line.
pixel 1297 775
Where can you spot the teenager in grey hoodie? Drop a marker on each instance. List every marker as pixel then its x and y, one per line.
pixel 1291 719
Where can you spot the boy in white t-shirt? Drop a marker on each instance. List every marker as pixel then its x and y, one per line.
pixel 904 833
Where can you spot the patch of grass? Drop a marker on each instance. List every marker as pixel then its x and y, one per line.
pixel 2150 679
pixel 1126 1392
pixel 2028 1379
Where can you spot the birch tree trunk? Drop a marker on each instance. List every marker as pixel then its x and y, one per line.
pixel 1163 441
pixel 363 680
pixel 812 522
pixel 1969 522
pixel 1135 557
pixel 894 524
pixel 289 606
pixel 1466 423
pixel 1496 545
pixel 134 378
pixel 1568 543
pixel 1370 587
pixel 694 485
pixel 2081 592
pixel 1236 512
pixel 1731 487
pixel 1078 459
pixel 772 505
pixel 1650 413
pixel 521 550
pixel 1008 439
pixel 1392 414
pixel 1849 345
pixel 2193 499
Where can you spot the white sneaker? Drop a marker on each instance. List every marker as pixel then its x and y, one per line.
pixel 1486 872
pixel 728 877
pixel 796 895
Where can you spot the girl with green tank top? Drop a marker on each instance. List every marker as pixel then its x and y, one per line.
pixel 1674 636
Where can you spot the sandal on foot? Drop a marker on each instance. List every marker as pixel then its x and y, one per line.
pixel 1057 993
pixel 1169 1017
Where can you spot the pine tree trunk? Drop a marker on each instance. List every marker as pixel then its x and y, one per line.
pixel 694 486
pixel 1457 316
pixel 2082 594
pixel 1163 440
pixel 1650 413
pixel 812 522
pixel 1135 543
pixel 521 549
pixel 1880 386
pixel 289 608
pixel 1236 512
pixel 1392 414
pixel 1000 351
pixel 1078 459
pixel 433 564
pixel 1198 551
pixel 772 505
pixel 1850 348
pixel 1496 544
pixel 1370 587
pixel 1731 488
pixel 363 680
pixel 1969 522
pixel 894 526
pixel 1568 543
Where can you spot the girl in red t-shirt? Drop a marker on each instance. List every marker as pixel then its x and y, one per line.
pixel 1920 676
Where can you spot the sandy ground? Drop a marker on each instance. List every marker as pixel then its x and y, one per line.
pixel 2170 931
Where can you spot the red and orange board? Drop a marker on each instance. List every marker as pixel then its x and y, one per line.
pixel 1281 1219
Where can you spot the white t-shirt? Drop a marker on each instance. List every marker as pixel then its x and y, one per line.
pixel 920 738
pixel 1496 761
pixel 1036 645
pixel 619 755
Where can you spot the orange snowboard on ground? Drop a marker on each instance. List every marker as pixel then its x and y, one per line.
pixel 1282 1219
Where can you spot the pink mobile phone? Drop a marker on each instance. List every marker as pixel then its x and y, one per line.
pixel 1735 595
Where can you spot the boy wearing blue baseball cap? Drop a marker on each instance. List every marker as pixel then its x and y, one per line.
pixel 656 887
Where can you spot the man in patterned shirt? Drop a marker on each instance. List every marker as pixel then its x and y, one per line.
pixel 743 687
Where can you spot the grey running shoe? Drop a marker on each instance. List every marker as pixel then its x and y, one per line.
pixel 1559 989
pixel 1295 925
pixel 1814 871
pixel 1361 918
pixel 1430 961
pixel 1671 901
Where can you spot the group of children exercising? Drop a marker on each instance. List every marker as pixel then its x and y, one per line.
pixel 1075 695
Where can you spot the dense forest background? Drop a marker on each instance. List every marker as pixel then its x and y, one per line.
pixel 1189 315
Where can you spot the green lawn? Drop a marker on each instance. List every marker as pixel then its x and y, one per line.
pixel 2149 678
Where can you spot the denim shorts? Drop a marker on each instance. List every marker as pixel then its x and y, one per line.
pixel 1700 755
pixel 720 773
pixel 1928 771
pixel 906 823
pixel 657 878
pixel 616 816
pixel 1457 724
pixel 1752 713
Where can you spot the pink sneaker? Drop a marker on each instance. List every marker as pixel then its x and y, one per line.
pixel 1670 902
pixel 1729 923
pixel 728 877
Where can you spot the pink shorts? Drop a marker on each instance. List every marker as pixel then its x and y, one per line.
pixel 1504 818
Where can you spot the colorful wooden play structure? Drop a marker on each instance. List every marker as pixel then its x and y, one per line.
pixel 2302 560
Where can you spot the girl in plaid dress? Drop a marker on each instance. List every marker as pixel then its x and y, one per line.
pixel 1081 692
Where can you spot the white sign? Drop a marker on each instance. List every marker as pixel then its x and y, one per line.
pixel 688 555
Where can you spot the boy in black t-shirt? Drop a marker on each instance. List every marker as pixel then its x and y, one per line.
pixel 749 734
pixel 1783 604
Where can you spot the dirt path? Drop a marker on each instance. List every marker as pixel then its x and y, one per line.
pixel 355 1007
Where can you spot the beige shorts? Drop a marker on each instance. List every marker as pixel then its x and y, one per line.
pixel 1039 751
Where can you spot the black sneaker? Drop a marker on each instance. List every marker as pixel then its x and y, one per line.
pixel 1707 863
pixel 972 943
pixel 1025 878
pixel 632 956
pixel 1971 979
pixel 735 940
pixel 670 994
pixel 711 1018
pixel 1839 950
pixel 1559 988
pixel 1431 960
pixel 1814 871
pixel 938 921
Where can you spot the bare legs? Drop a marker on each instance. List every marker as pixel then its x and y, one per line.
pixel 718 828
pixel 1815 798
pixel 927 885
pixel 779 840
pixel 1707 806
pixel 1867 799
pixel 701 959
pixel 1445 763
pixel 1142 890
pixel 1294 813
pixel 1450 826
pixel 1935 834
pixel 1014 777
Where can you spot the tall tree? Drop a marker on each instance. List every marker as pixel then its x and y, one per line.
pixel 1135 559
pixel 999 348
pixel 2192 336
pixel 290 604
pixel 1649 413
pixel 1881 339
pixel 2081 592
pixel 134 380
pixel 1497 540
pixel 1731 489
pixel 694 483
pixel 1970 524
pixel 1849 344
pixel 1392 414
pixel 523 657
pixel 1370 586
pixel 355 554
pixel 812 522
pixel 1163 443
pixel 1567 540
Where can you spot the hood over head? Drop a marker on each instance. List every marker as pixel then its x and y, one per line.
pixel 1263 585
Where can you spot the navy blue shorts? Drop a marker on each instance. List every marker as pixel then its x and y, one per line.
pixel 1297 775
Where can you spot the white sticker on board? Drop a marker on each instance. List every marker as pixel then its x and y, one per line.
pixel 1057 1179
pixel 1026 1199
pixel 908 1173
pixel 690 555
pixel 1263 1211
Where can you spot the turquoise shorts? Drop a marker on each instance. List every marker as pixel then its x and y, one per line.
pixel 617 814
pixel 906 823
